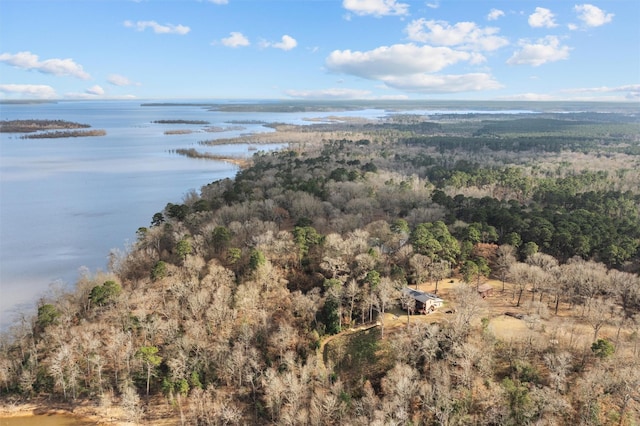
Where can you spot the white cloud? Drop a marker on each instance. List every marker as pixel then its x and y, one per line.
pixel 287 43
pixel 529 97
pixel 464 35
pixel 120 80
pixel 408 67
pixel 158 28
pixel 329 94
pixel 235 39
pixel 494 14
pixel 219 1
pixel 544 50
pixel 542 18
pixel 95 90
pixel 433 5
pixel 630 90
pixel 592 16
pixel 58 67
pixel 399 59
pixel 429 83
pixel 93 96
pixel 393 97
pixel 376 8
pixel 39 91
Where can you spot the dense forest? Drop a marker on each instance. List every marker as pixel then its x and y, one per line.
pixel 276 297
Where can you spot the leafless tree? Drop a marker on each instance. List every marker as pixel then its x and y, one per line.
pixel 505 257
pixel 387 293
pixel 599 314
pixel 559 364
pixel 421 266
pixel 440 269
pixel 626 286
pixel 520 275
pixel 351 292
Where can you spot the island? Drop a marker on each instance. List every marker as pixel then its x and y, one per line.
pixel 180 122
pixel 48 129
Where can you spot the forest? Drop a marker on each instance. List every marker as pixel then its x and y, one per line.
pixel 277 297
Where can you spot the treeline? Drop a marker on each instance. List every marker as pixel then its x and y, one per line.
pixel 65 134
pixel 33 125
pixel 180 122
pixel 222 304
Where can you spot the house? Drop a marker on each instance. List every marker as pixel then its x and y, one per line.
pixel 485 290
pixel 425 302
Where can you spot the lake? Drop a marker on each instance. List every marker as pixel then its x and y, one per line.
pixel 44 420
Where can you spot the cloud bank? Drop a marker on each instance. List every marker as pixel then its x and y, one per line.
pixel 158 28
pixel 542 18
pixel 463 35
pixel 376 8
pixel 545 50
pixel 328 94
pixel 120 80
pixel 409 67
pixel 593 16
pixel 38 91
pixel 57 67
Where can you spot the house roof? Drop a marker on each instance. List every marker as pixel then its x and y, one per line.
pixel 421 296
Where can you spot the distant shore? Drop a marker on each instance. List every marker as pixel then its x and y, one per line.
pixel 33 125
pixel 50 129
pixel 193 153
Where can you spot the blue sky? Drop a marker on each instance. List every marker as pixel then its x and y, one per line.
pixel 320 49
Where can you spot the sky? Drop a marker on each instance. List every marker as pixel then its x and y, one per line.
pixel 320 49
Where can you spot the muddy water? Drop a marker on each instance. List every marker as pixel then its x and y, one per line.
pixel 44 420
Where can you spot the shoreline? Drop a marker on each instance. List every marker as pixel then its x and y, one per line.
pixel 81 411
pixel 86 411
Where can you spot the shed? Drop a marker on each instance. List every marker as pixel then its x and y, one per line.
pixel 485 290
pixel 425 302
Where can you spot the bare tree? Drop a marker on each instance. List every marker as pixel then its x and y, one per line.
pixel 547 265
pixel 440 269
pixel 399 387
pixel 505 257
pixel 520 275
pixel 599 314
pixel 421 266
pixel 588 278
pixel 626 287
pixel 559 364
pixel 409 303
pixel 469 305
pixel 387 293
pixel 351 292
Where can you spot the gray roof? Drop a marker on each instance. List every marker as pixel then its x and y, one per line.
pixel 421 296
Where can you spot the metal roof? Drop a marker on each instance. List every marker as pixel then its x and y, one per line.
pixel 421 296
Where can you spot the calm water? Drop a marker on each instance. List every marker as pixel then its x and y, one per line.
pixel 44 420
